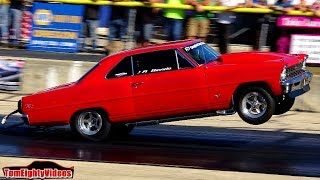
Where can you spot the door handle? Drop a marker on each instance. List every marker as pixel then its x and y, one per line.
pixel 136 84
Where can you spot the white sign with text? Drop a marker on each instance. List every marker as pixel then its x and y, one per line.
pixel 306 44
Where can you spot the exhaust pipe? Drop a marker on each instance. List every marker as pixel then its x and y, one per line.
pixel 4 119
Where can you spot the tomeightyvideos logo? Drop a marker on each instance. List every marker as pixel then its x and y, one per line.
pixel 43 17
pixel 39 170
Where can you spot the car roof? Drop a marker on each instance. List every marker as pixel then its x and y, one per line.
pixel 159 47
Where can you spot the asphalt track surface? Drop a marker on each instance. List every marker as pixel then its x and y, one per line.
pixel 169 145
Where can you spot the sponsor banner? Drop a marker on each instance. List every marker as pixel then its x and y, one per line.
pixel 56 27
pixel 298 22
pixel 306 44
pixel 39 170
pixel 10 74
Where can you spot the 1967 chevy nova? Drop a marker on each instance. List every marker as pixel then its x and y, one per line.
pixel 166 82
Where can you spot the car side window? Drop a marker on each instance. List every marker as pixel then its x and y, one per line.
pixel 122 69
pixel 153 62
pixel 183 62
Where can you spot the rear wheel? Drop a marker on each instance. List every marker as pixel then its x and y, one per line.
pixel 255 105
pixel 91 124
pixel 283 105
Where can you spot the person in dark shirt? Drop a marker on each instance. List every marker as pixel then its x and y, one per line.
pixel 117 29
pixel 16 7
pixel 282 5
pixel 144 23
pixel 92 23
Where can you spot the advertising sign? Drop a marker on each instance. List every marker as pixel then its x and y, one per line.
pixel 56 27
pixel 298 22
pixel 306 44
pixel 10 74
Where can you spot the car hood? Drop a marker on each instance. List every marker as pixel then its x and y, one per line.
pixel 258 57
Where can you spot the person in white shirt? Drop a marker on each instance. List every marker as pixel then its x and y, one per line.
pixel 303 5
pixel 224 20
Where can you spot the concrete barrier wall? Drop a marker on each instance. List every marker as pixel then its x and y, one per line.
pixel 311 100
pixel 40 74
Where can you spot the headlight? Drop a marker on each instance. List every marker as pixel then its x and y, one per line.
pixel 304 65
pixel 283 75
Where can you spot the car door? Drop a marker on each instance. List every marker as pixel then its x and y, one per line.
pixel 166 83
pixel 118 89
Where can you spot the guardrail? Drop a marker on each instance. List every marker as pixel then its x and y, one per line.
pixel 185 7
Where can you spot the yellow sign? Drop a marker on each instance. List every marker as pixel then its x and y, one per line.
pixel 55 34
pixel 45 17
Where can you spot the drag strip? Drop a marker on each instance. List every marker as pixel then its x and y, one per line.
pixel 170 145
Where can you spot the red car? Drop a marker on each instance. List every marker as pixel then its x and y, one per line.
pixel 166 82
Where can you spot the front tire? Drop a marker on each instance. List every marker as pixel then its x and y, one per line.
pixel 91 124
pixel 255 105
pixel 284 104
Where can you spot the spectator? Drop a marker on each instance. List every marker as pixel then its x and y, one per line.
pixel 144 23
pixel 259 4
pixel 224 20
pixel 92 23
pixel 174 20
pixel 4 15
pixel 316 8
pixel 282 5
pixel 16 7
pixel 198 25
pixel 118 28
pixel 260 20
pixel 303 5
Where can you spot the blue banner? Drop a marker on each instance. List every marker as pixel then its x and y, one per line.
pixel 56 27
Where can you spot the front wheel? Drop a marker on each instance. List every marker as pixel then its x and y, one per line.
pixel 91 124
pixel 255 105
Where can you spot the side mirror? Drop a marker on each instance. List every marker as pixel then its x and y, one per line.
pixel 219 59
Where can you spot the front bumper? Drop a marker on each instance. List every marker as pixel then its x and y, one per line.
pixel 297 86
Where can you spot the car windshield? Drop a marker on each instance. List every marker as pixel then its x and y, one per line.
pixel 201 52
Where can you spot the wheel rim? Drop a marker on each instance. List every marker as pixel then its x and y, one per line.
pixel 90 122
pixel 254 105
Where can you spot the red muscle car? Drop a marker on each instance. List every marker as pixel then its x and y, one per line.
pixel 166 82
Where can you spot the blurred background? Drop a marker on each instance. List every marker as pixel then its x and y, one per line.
pixel 106 27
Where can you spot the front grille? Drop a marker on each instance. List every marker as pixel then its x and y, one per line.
pixel 295 70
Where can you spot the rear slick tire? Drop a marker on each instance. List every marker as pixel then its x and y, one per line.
pixel 91 124
pixel 255 105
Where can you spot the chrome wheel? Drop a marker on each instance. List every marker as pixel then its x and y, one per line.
pixel 89 122
pixel 254 105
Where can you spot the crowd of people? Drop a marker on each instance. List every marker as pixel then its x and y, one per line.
pixel 178 24
pixel 10 16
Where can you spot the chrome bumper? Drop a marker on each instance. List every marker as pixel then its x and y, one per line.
pixel 296 86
